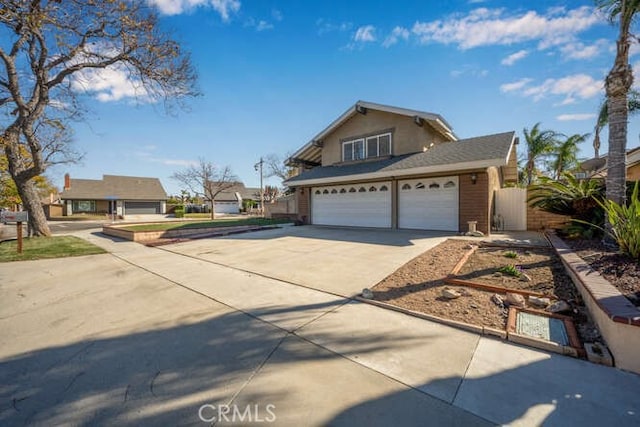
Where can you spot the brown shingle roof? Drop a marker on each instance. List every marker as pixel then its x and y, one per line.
pixel 115 187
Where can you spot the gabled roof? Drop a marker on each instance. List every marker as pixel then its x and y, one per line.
pixel 471 153
pixel 312 151
pixel 238 190
pixel 597 166
pixel 115 187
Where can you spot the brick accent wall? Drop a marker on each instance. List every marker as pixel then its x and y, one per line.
pixel 474 200
pixel 541 220
pixel 302 196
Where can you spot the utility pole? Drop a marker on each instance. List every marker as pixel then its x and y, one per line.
pixel 258 166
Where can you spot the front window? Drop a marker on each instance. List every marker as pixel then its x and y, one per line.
pixel 84 206
pixel 371 147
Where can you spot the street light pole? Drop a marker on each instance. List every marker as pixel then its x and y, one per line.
pixel 256 166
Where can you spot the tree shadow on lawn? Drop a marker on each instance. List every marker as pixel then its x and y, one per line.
pixel 156 377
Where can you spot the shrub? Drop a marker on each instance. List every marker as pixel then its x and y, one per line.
pixel 510 254
pixel 569 196
pixel 511 270
pixel 625 223
pixel 179 212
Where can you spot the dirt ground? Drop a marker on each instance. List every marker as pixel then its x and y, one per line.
pixel 620 270
pixel 418 285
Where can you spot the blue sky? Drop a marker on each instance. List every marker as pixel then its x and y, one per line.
pixel 274 73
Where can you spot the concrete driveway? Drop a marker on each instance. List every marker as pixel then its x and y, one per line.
pixel 341 261
pixel 145 336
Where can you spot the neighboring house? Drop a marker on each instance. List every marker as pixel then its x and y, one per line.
pixel 597 167
pixel 124 195
pixel 389 167
pixel 230 200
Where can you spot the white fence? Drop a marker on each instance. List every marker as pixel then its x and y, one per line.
pixel 511 209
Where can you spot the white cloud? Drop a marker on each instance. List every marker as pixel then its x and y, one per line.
pixel 260 25
pixel 514 57
pixel 109 84
pixel 636 75
pixel 325 26
pixel 277 15
pixel 174 7
pixel 575 117
pixel 578 50
pixel 145 153
pixel 515 86
pixel 570 87
pixel 398 33
pixel 365 34
pixel 469 70
pixel 485 27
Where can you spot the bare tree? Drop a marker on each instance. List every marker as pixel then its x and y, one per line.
pixel 275 166
pixel 48 50
pixel 206 180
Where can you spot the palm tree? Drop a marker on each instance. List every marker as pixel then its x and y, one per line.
pixel 567 153
pixel 539 143
pixel 617 86
pixel 633 100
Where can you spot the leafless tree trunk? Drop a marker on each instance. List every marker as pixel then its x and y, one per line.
pixel 46 48
pixel 206 180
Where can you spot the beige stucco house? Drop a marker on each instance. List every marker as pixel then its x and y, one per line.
pixel 390 167
pixel 122 195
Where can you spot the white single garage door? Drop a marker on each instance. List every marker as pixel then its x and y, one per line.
pixel 428 203
pixel 357 205
pixel 226 207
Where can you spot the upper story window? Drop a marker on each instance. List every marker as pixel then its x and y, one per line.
pixel 366 148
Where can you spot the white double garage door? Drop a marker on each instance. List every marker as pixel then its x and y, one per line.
pixel 427 204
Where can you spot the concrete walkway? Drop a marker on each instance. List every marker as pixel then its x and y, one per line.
pixel 148 336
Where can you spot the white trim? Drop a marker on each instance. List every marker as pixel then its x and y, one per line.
pixel 452 167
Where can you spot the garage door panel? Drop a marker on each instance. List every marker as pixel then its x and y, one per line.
pixel 352 207
pixel 428 204
pixel 141 208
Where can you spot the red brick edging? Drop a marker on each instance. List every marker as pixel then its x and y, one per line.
pixel 616 306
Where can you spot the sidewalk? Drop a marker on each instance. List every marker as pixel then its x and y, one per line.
pixel 323 359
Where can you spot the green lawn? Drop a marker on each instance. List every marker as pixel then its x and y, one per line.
pixel 47 247
pixel 232 222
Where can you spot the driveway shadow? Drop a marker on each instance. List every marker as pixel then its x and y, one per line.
pixel 156 377
pixel 372 236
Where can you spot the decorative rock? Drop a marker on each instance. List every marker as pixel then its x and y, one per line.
pixel 524 277
pixel 450 294
pixel 559 307
pixel 497 300
pixel 474 233
pixel 367 293
pixel 515 299
pixel 497 274
pixel 473 306
pixel 539 302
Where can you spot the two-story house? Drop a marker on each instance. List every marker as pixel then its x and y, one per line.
pixel 389 167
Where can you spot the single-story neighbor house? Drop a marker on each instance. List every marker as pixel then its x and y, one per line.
pixel 124 195
pixel 390 167
pixel 597 167
pixel 230 200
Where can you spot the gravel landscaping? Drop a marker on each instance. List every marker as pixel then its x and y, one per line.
pixel 419 284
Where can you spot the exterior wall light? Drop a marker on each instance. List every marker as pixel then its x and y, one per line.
pixel 474 178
